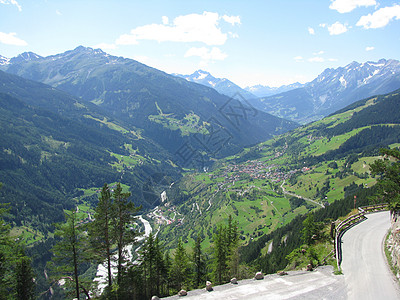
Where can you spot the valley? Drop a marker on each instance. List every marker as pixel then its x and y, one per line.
pixel 202 166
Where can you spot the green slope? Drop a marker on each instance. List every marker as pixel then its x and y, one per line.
pixel 135 94
pixel 257 186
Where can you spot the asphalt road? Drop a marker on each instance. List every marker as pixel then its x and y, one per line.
pixel 366 273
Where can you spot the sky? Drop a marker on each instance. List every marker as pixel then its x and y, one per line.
pixel 267 42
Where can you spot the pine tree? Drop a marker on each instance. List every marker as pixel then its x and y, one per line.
pixel 69 252
pixel 220 254
pixel 16 273
pixel 233 247
pixel 167 273
pixel 25 286
pixel 123 215
pixel 147 264
pixel 100 231
pixel 310 230
pixel 198 263
pixel 226 254
pixel 180 270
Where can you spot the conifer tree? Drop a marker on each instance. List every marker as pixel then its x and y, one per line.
pixel 233 247
pixel 16 273
pixel 69 253
pixel 220 254
pixel 167 273
pixel 180 270
pixel 123 215
pixel 148 258
pixel 226 254
pixel 198 263
pixel 310 229
pixel 24 284
pixel 100 231
pixel 160 266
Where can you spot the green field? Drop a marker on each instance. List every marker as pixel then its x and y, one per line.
pixel 190 123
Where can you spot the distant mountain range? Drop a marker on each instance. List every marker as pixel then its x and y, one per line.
pixel 332 90
pixel 221 85
pixel 170 111
pixel 226 87
pixel 265 91
pixel 4 60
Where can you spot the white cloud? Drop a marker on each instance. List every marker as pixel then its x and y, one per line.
pixel 233 35
pixel 369 48
pixel 58 12
pixel 345 6
pixel 165 20
pixel 11 39
pixel 337 28
pixel 142 58
pixel 316 59
pixel 206 54
pixel 105 46
pixel 380 18
pixel 311 31
pixel 233 20
pixel 323 25
pixel 298 58
pixel 319 53
pixel 127 39
pixel 13 2
pixel 187 28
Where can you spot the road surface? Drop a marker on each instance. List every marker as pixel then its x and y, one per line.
pixel 298 196
pixel 366 273
pixel 320 284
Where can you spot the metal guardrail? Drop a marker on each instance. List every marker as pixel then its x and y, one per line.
pixel 350 222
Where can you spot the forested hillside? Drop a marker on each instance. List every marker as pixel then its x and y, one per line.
pixel 53 148
pixel 169 110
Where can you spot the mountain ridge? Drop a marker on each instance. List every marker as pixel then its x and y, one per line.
pixel 333 89
pixel 264 91
pixel 221 85
pixel 168 109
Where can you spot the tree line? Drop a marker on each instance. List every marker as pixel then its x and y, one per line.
pixel 153 271
pixel 16 273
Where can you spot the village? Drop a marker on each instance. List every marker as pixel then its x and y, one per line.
pixel 255 170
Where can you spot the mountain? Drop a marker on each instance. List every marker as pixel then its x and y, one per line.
pixel 53 147
pixel 266 186
pixel 333 89
pixel 26 56
pixel 265 91
pixel 4 60
pixel 221 85
pixel 169 110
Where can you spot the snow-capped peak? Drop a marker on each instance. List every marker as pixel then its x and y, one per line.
pixel 26 56
pixel 4 61
pixel 200 75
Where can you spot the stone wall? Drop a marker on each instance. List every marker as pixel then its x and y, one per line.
pixel 393 243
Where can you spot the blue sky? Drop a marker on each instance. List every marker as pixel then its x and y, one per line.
pixel 251 42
